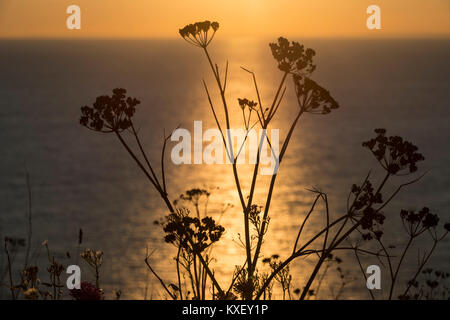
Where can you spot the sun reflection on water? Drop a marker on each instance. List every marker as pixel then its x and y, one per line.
pixel 290 201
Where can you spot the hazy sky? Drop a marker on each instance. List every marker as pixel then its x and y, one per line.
pixel 163 18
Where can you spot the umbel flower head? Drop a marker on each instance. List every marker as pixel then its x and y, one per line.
pixel 447 226
pixel 194 194
pixel 181 229
pixel 293 57
pixel 245 103
pixel 94 258
pixel 313 98
pixel 393 153
pixel 110 113
pixel 371 219
pixel 198 33
pixel 416 223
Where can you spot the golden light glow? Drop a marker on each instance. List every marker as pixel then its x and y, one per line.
pixel 255 18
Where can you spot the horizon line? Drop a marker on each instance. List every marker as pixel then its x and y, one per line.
pixel 343 37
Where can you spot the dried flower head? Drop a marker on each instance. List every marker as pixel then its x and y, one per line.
pixel 313 98
pixel 55 268
pixel 93 258
pixel 371 219
pixel 447 226
pixel 110 113
pixel 292 57
pixel 416 223
pixel 197 33
pixel 194 194
pixel 30 274
pixel 245 103
pixel 192 234
pixel 365 196
pixel 393 153
pixel 245 286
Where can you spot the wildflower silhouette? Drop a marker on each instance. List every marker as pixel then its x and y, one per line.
pixel 371 218
pixel 194 195
pixel 417 223
pixel 433 286
pixel 292 57
pixel 313 98
pixel 95 260
pixel 113 114
pixel 180 227
pixel 197 33
pixel 245 103
pixel 194 236
pixel 393 153
pixel 110 113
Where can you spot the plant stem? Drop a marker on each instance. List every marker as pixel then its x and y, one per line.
pixel 394 278
pixel 11 284
pixel 420 268
pixel 161 192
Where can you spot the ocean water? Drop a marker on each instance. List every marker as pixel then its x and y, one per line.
pixel 81 179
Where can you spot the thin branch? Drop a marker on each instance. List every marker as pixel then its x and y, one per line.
pixel 304 222
pixel 157 276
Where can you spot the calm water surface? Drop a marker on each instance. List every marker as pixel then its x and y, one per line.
pixel 81 179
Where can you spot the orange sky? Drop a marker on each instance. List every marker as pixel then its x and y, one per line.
pixel 255 18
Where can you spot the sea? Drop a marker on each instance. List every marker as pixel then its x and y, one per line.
pixel 80 179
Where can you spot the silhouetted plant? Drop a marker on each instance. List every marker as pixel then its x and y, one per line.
pixel 31 285
pixel 54 270
pixel 110 114
pixel 432 285
pixel 292 57
pixel 283 277
pixel 394 154
pixel 95 260
pixel 197 33
pixel 313 98
pixel 397 157
pixel 113 114
pixel 180 228
pixel 194 236
pixel 87 291
pixel 415 224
